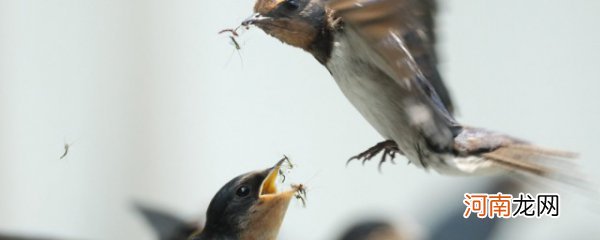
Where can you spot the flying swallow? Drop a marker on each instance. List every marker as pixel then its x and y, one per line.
pixel 248 207
pixel 381 55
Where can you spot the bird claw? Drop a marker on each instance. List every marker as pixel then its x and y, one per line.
pixel 388 149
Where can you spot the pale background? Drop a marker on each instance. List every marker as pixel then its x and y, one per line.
pixel 160 110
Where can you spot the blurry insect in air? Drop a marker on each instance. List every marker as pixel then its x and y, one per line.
pixel 300 193
pixel 67 146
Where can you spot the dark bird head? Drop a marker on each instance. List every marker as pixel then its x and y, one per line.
pixel 300 23
pixel 247 207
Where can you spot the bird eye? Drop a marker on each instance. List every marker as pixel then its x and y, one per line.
pixel 243 191
pixel 291 4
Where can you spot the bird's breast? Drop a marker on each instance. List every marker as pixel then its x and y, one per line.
pixel 379 99
pixel 365 87
pixel 393 110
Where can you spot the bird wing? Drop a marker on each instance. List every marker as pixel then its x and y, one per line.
pixel 400 33
pixel 413 21
pixel 164 224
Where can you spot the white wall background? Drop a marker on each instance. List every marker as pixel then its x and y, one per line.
pixel 159 109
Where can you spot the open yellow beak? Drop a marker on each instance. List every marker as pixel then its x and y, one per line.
pixel 267 215
pixel 269 185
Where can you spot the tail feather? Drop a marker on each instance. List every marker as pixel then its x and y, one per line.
pixel 542 167
pixel 515 163
pixel 535 150
pixel 517 155
pixel 531 159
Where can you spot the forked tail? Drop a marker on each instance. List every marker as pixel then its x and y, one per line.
pixel 517 155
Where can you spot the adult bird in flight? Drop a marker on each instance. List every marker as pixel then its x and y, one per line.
pixel 381 54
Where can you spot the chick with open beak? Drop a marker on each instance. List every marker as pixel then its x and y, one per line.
pixel 248 207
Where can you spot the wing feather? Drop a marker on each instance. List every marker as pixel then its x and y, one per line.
pixel 412 21
pixel 400 34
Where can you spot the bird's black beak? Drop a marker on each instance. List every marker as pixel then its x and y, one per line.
pixel 255 18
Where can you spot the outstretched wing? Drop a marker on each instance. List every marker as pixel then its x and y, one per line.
pixel 400 34
pixel 428 61
pixel 413 21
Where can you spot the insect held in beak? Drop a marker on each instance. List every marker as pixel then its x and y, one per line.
pixel 300 193
pixel 233 36
pixel 288 165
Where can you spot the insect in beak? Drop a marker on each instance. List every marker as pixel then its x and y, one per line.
pixel 300 193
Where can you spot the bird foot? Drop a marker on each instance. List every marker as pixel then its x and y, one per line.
pixel 388 147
